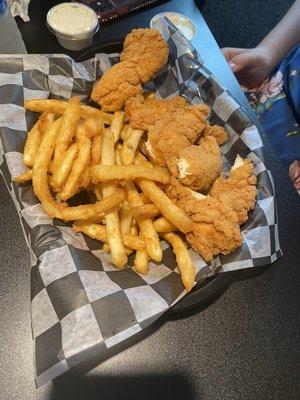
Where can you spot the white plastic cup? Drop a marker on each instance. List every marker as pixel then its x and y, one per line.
pixel 183 23
pixel 73 24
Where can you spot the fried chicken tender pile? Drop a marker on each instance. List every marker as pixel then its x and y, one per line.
pixel 197 166
pixel 176 131
pixel 238 191
pixel 145 52
pixel 145 113
pixel 215 223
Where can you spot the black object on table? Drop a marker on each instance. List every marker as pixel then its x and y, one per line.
pixel 241 347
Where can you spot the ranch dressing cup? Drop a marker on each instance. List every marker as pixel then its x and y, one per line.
pixel 73 24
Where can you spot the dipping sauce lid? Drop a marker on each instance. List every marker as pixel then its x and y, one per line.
pixel 183 23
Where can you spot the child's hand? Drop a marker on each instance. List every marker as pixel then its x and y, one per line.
pixel 251 66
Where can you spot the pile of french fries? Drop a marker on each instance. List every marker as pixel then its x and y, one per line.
pixel 75 147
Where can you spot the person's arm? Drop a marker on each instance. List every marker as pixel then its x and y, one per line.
pixel 252 66
pixel 284 36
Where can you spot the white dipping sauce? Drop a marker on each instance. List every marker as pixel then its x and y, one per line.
pixel 73 24
pixel 72 20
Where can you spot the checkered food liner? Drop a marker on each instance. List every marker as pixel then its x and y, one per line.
pixel 81 304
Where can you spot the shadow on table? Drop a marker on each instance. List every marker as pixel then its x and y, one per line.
pixel 74 384
pixel 145 387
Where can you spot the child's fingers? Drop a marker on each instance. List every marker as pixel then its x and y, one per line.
pixel 231 52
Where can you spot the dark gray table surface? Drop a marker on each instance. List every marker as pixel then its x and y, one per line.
pixel 242 346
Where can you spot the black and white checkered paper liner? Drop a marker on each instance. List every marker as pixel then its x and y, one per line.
pixel 80 302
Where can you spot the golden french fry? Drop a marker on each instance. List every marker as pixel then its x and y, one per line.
pixel 134 228
pixel 85 178
pixel 142 160
pixel 184 260
pixel 162 225
pixel 112 223
pixel 125 131
pixel 141 261
pixel 79 165
pixel 40 171
pixel 105 248
pixel 96 149
pixel 166 206
pixel 145 211
pixel 163 170
pixel 59 107
pixel 67 132
pixel 143 148
pixel 144 199
pixel 105 173
pixel 91 127
pixel 125 219
pixel 26 176
pixel 148 232
pixel 45 121
pixel 41 189
pixel 115 240
pixel 117 124
pixel 134 242
pixel 130 146
pixel 98 191
pixel 118 157
pixel 107 150
pixel 63 170
pixel 97 231
pixel 32 145
pixel 93 211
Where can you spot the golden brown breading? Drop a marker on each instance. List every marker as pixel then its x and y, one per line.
pixel 116 86
pixel 238 191
pixel 176 131
pixel 197 166
pixel 147 50
pixel 218 132
pixel 143 114
pixel 215 227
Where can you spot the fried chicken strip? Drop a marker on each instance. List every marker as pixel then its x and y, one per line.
pixel 147 50
pixel 238 191
pixel 116 85
pixel 197 166
pixel 218 132
pixel 144 113
pixel 215 223
pixel 176 131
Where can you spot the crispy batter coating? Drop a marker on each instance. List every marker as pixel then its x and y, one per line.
pixel 144 113
pixel 215 226
pixel 176 131
pixel 147 50
pixel 115 86
pixel 218 132
pixel 238 191
pixel 197 166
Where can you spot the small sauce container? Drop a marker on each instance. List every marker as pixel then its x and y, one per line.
pixel 183 23
pixel 73 24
